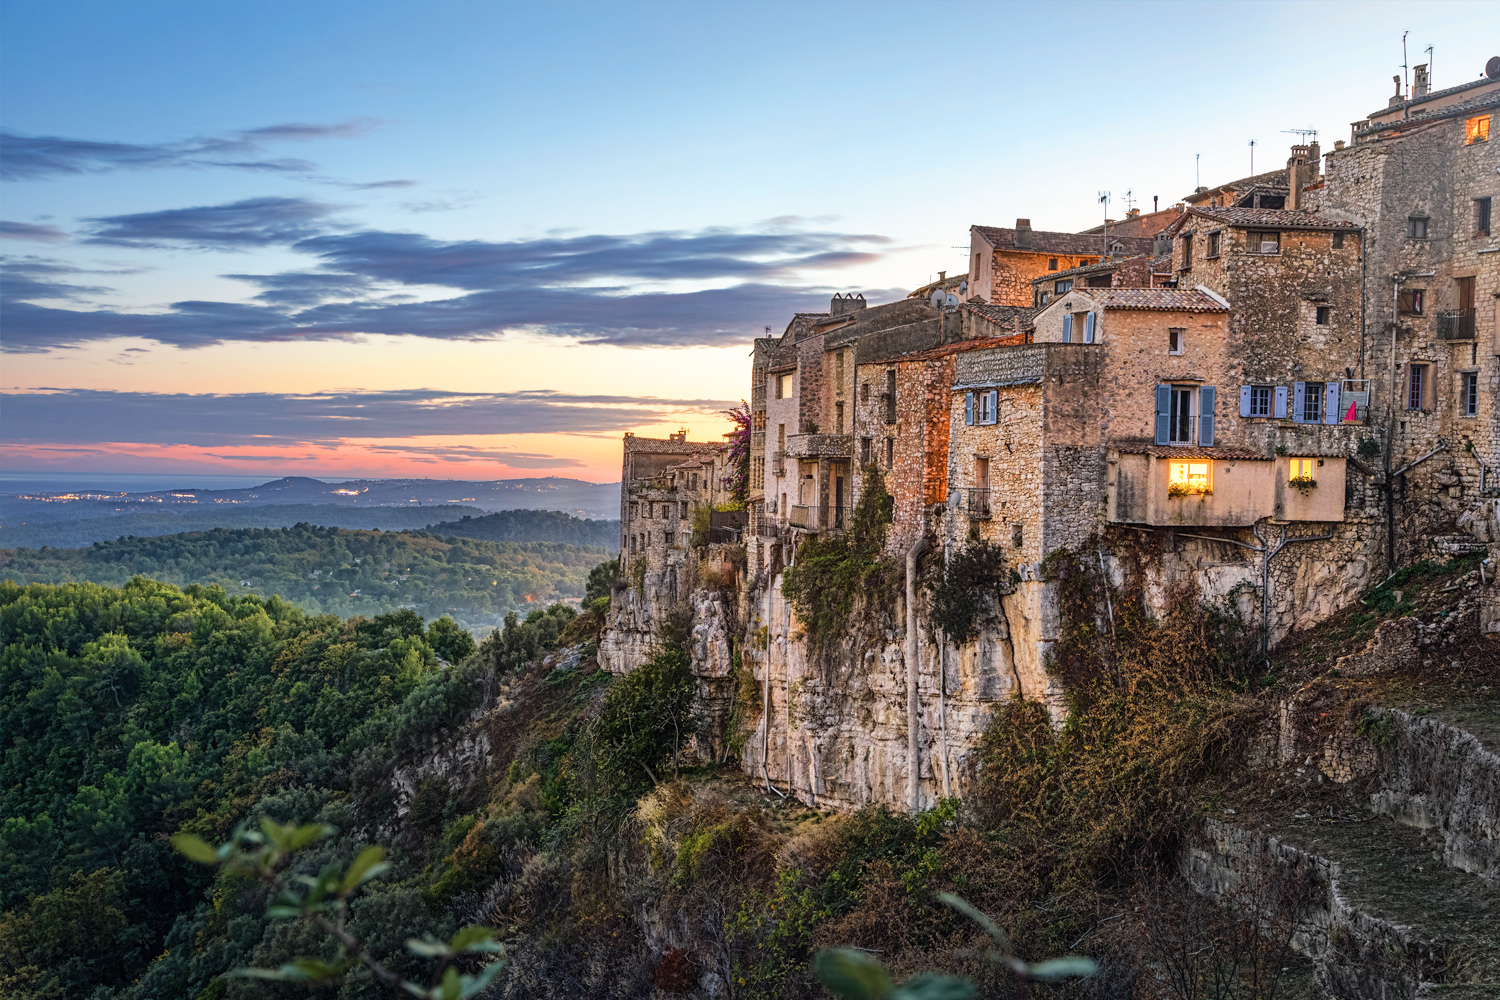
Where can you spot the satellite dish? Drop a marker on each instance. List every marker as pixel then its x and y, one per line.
pixel 937 298
pixel 1492 68
pixel 951 301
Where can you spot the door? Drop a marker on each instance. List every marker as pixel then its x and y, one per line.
pixel 838 502
pixel 1181 415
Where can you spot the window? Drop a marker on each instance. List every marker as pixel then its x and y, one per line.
pixel 1477 130
pixel 864 451
pixel 890 395
pixel 1101 281
pixel 1187 252
pixel 1259 401
pixel 1338 241
pixel 981 473
pixel 669 536
pixel 1175 338
pixel 890 452
pixel 838 418
pixel 1303 468
pixel 1416 387
pixel 1190 477
pixel 1325 314
pixel 1260 241
pixel 1469 394
pixel 682 513
pixel 1213 245
pixel 1409 301
pixel 1181 416
pixel 1481 216
pixel 1052 264
pixel 1416 227
pixel 1066 285
pixel 1312 402
pixel 1045 297
pixel 784 386
pixel 864 393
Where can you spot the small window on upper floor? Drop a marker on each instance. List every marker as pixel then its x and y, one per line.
pixel 1409 301
pixel 1325 315
pixel 1338 241
pixel 1477 130
pixel 1065 285
pixel 1175 339
pixel 1482 216
pixel 1416 227
pixel 1187 252
pixel 1045 296
pixel 1052 264
pixel 1262 241
pixel 1213 245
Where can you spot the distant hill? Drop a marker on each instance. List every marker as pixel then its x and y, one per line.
pixel 98 522
pixel 533 526
pixel 334 570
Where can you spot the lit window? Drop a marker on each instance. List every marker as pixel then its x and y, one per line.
pixel 1477 130
pixel 1304 468
pixel 1190 477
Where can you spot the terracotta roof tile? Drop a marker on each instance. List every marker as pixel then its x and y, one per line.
pixel 1273 218
pixel 1460 109
pixel 977 344
pixel 1069 243
pixel 1173 299
pixel 1222 454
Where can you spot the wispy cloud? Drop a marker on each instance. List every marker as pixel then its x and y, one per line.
pixel 253 222
pixel 32 157
pixel 86 416
pixel 599 288
pixel 28 231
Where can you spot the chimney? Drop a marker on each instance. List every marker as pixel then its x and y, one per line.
pixel 1022 237
pixel 1314 161
pixel 1419 81
pixel 1296 175
pixel 1398 98
pixel 942 275
pixel 842 305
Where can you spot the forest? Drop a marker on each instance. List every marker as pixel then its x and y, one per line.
pixel 333 570
pixel 532 526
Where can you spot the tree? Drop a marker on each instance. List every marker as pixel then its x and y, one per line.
pixel 449 641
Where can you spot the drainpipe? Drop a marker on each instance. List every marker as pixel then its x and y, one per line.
pixel 765 710
pixel 943 691
pixel 913 705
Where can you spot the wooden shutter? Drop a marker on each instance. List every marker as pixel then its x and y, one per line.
pixel 1299 394
pixel 1280 411
pixel 1088 329
pixel 1068 329
pixel 1331 414
pixel 1206 416
pixel 1163 413
pixel 969 408
pixel 1244 400
pixel 994 406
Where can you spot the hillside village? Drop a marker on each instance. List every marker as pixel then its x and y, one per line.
pixel 1271 394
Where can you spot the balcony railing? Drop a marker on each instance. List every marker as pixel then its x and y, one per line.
pixel 979 504
pixel 1456 325
pixel 801 517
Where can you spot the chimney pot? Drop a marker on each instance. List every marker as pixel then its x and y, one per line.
pixel 942 275
pixel 1419 83
pixel 1022 237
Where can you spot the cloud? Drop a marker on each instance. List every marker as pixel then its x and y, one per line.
pixel 600 289
pixel 31 157
pixel 30 277
pixel 87 416
pixel 28 231
pixel 254 222
pixel 446 454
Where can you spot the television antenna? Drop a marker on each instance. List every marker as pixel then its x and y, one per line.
pixel 1307 134
pixel 1104 200
pixel 1252 157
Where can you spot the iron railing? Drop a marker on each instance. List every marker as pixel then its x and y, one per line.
pixel 979 504
pixel 1456 325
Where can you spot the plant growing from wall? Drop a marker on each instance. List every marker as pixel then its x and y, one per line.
pixel 737 457
pixel 970 589
pixel 832 570
pixel 702 522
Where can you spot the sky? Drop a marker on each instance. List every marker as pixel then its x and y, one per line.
pixel 483 240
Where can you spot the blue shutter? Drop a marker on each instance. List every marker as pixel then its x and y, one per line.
pixel 1068 328
pixel 1163 413
pixel 969 408
pixel 994 406
pixel 1206 416
pixel 1331 414
pixel 1280 411
pixel 1299 394
pixel 1244 400
pixel 1088 329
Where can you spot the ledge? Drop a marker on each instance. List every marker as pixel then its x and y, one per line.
pixel 820 446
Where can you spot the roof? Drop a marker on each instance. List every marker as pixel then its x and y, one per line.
pixel 1146 224
pixel 1101 267
pixel 1224 454
pixel 1271 178
pixel 1271 218
pixel 947 284
pixel 1002 315
pixel 977 344
pixel 1428 98
pixel 1070 243
pixel 1165 299
pixel 1458 110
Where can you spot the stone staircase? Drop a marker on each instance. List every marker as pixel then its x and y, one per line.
pixel 1391 829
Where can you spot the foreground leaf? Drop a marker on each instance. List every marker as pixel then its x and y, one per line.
pixel 852 975
pixel 195 849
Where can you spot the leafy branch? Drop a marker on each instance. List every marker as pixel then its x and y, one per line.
pixel 853 975
pixel 324 901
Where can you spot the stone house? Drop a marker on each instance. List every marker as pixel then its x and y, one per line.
pixel 1004 262
pixel 1421 177
pixel 1137 271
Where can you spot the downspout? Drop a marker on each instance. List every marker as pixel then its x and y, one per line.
pixel 913 705
pixel 765 710
pixel 943 691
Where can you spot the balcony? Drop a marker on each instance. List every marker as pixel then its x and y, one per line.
pixel 820 446
pixel 801 517
pixel 978 505
pixel 1456 325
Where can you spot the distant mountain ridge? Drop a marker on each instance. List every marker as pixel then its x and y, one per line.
pixel 533 526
